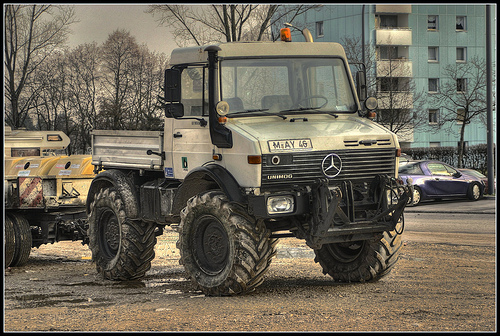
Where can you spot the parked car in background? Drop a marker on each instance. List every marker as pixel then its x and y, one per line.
pixel 478 175
pixel 436 180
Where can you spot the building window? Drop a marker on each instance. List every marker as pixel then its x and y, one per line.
pixel 433 54
pixel 432 22
pixel 461 84
pixel 460 115
pixel 319 29
pixel 433 84
pixel 433 116
pixel 461 20
pixel 461 54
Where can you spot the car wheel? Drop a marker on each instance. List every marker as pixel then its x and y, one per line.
pixel 474 193
pixel 417 196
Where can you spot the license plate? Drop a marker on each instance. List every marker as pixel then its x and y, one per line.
pixel 289 145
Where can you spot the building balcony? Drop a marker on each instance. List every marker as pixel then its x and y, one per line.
pixel 393 9
pixel 393 36
pixel 395 100
pixel 394 68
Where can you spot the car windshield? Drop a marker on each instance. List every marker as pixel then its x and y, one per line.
pixel 284 86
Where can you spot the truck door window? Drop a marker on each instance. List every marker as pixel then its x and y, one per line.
pixel 194 91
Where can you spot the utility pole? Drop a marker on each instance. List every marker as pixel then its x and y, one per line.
pixel 489 112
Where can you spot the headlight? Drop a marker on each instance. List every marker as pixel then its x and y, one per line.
pixel 280 204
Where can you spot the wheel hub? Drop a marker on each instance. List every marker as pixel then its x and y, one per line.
pixel 110 233
pixel 211 246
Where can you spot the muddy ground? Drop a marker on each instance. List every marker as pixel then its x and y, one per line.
pixel 434 287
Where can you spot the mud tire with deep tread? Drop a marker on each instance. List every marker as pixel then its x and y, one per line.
pixel 8 240
pixel 22 240
pixel 122 248
pixel 361 261
pixel 224 250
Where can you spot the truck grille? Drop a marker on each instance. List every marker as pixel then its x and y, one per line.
pixel 305 167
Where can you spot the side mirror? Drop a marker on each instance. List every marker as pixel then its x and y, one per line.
pixel 174 110
pixel 361 85
pixel 172 85
pixel 457 174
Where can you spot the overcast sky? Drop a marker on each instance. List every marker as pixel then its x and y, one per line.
pixel 98 21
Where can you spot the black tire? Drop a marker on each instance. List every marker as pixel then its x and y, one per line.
pixel 416 197
pixel 8 240
pixel 122 248
pixel 224 250
pixel 475 192
pixel 361 261
pixel 22 240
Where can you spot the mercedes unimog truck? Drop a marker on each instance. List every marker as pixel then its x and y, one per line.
pixel 261 140
pixel 45 192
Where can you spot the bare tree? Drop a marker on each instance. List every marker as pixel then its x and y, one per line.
pixel 353 49
pixel 118 56
pixel 84 87
pixel 213 23
pixel 462 96
pixel 130 78
pixel 32 33
pixel 389 79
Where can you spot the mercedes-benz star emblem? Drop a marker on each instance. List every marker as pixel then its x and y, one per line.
pixel 331 165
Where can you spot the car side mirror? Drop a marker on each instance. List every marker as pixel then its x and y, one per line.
pixel 457 174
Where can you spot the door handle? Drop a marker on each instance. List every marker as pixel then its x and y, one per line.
pixel 178 135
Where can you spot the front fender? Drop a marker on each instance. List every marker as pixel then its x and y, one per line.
pixel 122 183
pixel 208 177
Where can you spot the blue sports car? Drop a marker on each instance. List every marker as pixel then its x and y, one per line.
pixel 435 180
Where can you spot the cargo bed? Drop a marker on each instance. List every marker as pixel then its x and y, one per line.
pixel 127 149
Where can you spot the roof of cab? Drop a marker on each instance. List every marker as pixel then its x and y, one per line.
pixel 199 54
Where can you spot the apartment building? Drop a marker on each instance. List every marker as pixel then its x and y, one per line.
pixel 414 43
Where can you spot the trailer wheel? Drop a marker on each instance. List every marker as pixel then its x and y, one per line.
pixel 361 261
pixel 122 248
pixel 8 240
pixel 22 240
pixel 224 250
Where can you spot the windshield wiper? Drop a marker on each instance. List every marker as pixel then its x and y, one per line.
pixel 313 109
pixel 254 112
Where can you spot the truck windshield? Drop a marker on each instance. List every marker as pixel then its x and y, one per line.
pixel 305 85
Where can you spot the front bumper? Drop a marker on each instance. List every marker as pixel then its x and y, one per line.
pixel 333 214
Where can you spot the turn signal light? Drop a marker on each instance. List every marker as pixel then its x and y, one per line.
pixel 254 159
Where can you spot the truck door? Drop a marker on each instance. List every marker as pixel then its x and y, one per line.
pixel 191 143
